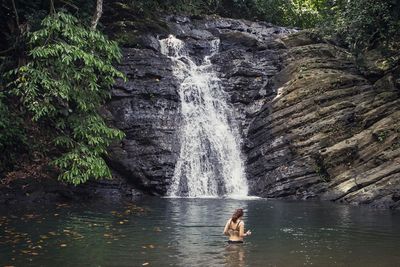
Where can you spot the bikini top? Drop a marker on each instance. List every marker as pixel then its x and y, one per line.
pixel 237 226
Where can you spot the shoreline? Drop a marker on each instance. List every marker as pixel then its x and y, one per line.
pixel 48 192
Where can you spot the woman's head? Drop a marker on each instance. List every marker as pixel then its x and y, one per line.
pixel 238 213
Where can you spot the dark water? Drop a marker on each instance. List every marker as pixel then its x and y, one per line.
pixel 187 232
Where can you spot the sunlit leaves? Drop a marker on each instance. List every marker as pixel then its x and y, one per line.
pixel 65 81
pixel 363 23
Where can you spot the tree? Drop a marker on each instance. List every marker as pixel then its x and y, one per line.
pixel 65 82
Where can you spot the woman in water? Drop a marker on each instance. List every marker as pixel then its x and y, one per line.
pixel 234 228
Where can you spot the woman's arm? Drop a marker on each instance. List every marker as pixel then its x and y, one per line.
pixel 241 230
pixel 227 227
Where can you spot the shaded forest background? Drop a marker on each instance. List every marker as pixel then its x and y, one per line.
pixel 57 63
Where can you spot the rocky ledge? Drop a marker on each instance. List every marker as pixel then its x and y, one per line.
pixel 38 186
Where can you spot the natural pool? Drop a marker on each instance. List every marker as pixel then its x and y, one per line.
pixel 188 232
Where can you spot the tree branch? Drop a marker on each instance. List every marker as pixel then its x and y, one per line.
pixel 97 14
pixel 69 4
pixel 52 8
pixel 16 13
pixel 4 52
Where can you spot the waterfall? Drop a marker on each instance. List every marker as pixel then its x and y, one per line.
pixel 210 162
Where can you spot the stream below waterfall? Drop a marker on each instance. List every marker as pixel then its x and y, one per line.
pixel 188 232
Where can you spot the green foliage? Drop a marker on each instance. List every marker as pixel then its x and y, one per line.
pixel 155 7
pixel 320 168
pixel 299 13
pixel 381 136
pixel 365 23
pixel 360 24
pixel 66 80
pixel 85 145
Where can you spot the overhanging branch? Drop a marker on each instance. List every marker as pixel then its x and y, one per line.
pixel 97 14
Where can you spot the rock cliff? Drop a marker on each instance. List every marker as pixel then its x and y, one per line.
pixel 313 124
pixel 329 132
pixel 147 107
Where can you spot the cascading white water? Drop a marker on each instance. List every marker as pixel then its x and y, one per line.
pixel 210 162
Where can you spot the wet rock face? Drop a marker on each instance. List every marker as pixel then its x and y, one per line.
pixel 312 125
pixel 147 107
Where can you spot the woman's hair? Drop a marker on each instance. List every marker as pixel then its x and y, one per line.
pixel 238 213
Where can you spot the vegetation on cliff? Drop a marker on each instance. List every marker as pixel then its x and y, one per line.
pixel 57 68
pixel 358 24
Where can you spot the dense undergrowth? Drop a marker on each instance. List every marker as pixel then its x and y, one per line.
pixel 56 71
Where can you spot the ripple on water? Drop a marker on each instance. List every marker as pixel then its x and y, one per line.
pixel 188 232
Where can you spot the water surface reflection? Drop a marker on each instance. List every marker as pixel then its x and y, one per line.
pixel 188 232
